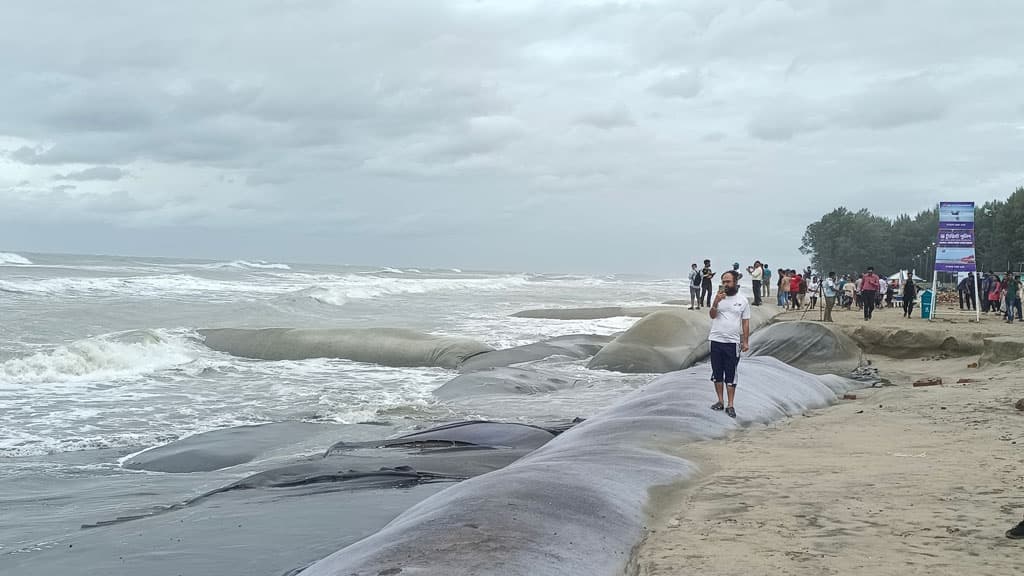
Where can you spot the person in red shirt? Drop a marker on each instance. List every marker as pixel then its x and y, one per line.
pixel 994 293
pixel 869 291
pixel 794 290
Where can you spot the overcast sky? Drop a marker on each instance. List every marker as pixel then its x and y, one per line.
pixel 629 136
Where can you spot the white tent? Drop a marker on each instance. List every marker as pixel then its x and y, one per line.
pixel 902 275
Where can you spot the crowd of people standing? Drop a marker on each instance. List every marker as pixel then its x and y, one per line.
pixel 797 289
pixel 800 289
pixel 999 295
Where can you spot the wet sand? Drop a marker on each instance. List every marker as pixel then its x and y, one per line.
pixel 902 480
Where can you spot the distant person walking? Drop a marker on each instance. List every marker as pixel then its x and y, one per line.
pixel 829 290
pixel 1016 303
pixel 909 295
pixel 782 290
pixel 813 288
pixel 695 281
pixel 766 282
pixel 730 335
pixel 706 275
pixel 756 276
pixel 869 291
pixel 964 290
pixel 849 294
pixel 1012 297
pixel 995 289
pixel 986 286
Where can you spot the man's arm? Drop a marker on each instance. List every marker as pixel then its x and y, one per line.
pixel 745 342
pixel 713 312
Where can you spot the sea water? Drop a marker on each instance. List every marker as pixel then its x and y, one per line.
pixel 100 358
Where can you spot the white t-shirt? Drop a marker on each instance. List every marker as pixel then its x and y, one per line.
pixel 727 326
pixel 830 288
pixel 757 274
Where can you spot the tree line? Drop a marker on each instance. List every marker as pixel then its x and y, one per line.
pixel 845 241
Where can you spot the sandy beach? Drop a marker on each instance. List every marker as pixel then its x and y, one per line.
pixel 901 480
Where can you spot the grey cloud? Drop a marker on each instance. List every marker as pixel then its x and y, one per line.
pixel 893 104
pixel 480 135
pixel 107 173
pixel 464 123
pixel 80 113
pixel 266 178
pixel 678 85
pixel 617 116
pixel 784 117
pixel 26 155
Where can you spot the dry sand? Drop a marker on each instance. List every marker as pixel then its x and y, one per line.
pixel 902 480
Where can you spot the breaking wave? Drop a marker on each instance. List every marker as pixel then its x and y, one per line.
pixel 344 290
pixel 9 258
pixel 257 265
pixel 107 357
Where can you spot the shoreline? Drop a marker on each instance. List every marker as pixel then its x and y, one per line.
pixel 903 479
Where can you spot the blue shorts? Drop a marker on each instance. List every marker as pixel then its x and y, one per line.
pixel 725 356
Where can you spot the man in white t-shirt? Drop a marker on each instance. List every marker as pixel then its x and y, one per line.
pixel 730 335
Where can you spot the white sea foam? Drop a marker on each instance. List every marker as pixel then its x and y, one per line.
pixel 508 332
pixel 142 286
pixel 345 289
pixel 10 258
pixel 147 409
pixel 102 358
pixel 259 265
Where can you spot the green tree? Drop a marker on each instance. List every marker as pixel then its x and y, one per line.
pixel 847 242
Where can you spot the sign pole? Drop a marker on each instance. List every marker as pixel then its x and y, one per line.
pixel 977 299
pixel 935 294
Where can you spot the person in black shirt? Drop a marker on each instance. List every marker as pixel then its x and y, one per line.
pixel 706 275
pixel 909 295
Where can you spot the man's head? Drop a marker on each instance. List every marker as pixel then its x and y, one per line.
pixel 729 282
pixel 757 263
pixel 693 266
pixel 871 269
pixel 832 275
pixel 707 262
